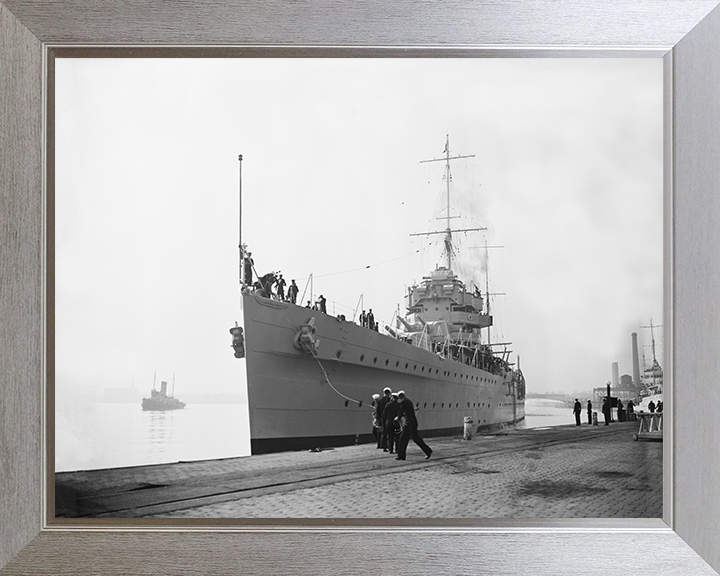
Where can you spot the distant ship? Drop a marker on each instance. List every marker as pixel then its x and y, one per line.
pixel 651 378
pixel 159 400
pixel 311 376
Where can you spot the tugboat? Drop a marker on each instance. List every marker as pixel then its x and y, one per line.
pixel 159 400
pixel 311 376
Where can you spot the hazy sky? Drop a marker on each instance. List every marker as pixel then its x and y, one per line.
pixel 567 176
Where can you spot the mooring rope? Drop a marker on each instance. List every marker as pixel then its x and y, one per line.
pixel 327 379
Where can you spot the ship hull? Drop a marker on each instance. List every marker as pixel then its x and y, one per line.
pixel 298 400
pixel 153 404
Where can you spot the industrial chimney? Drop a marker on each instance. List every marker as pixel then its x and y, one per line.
pixel 636 362
pixel 615 375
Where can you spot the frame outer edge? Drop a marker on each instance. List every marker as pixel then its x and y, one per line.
pixel 20 292
pixel 696 165
pixel 371 22
pixel 20 302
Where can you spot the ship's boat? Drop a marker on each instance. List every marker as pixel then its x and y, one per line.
pixel 311 376
pixel 159 400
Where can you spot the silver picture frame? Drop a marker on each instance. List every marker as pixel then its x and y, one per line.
pixel 685 34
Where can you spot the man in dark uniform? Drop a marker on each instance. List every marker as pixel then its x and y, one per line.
pixel 631 411
pixel 293 292
pixel 651 407
pixel 248 268
pixel 577 408
pixel 363 319
pixel 410 430
pixel 371 320
pixel 589 409
pixel 322 301
pixel 280 287
pixel 380 412
pixel 392 409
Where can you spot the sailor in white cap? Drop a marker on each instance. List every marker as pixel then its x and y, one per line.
pixel 411 428
pixel 377 428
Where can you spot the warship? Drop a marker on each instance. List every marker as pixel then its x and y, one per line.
pixel 159 399
pixel 311 376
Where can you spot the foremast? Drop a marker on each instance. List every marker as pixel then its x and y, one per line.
pixel 443 316
pixel 448 178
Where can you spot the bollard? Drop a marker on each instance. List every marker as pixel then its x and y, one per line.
pixel 467 428
pixel 595 423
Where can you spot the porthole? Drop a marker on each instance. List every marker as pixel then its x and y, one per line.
pixel 387 362
pixel 423 369
pixel 437 370
pixel 468 404
pixel 406 365
pixel 362 357
pixel 339 353
pixel 455 375
pixel 397 363
pixel 415 367
pixel 424 405
pixel 433 404
pixel 375 360
pixel 457 405
pixel 360 404
pixel 417 405
pixel 442 405
pixel 346 403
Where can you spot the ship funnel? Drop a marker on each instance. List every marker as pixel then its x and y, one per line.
pixel 163 388
pixel 636 361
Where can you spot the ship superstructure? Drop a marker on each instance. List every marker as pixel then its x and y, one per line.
pixel 311 376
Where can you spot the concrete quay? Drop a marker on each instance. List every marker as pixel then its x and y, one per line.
pixel 559 472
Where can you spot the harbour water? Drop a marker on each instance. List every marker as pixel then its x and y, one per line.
pixel 113 435
pixel 542 413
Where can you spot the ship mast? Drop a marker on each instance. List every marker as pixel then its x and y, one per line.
pixel 652 339
pixel 240 246
pixel 448 177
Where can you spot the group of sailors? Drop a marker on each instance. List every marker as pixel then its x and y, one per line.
pixel 368 320
pixel 625 413
pixel 395 424
pixel 272 285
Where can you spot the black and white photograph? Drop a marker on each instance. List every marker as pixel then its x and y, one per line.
pixel 358 288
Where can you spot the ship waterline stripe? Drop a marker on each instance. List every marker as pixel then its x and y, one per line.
pixel 289 444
